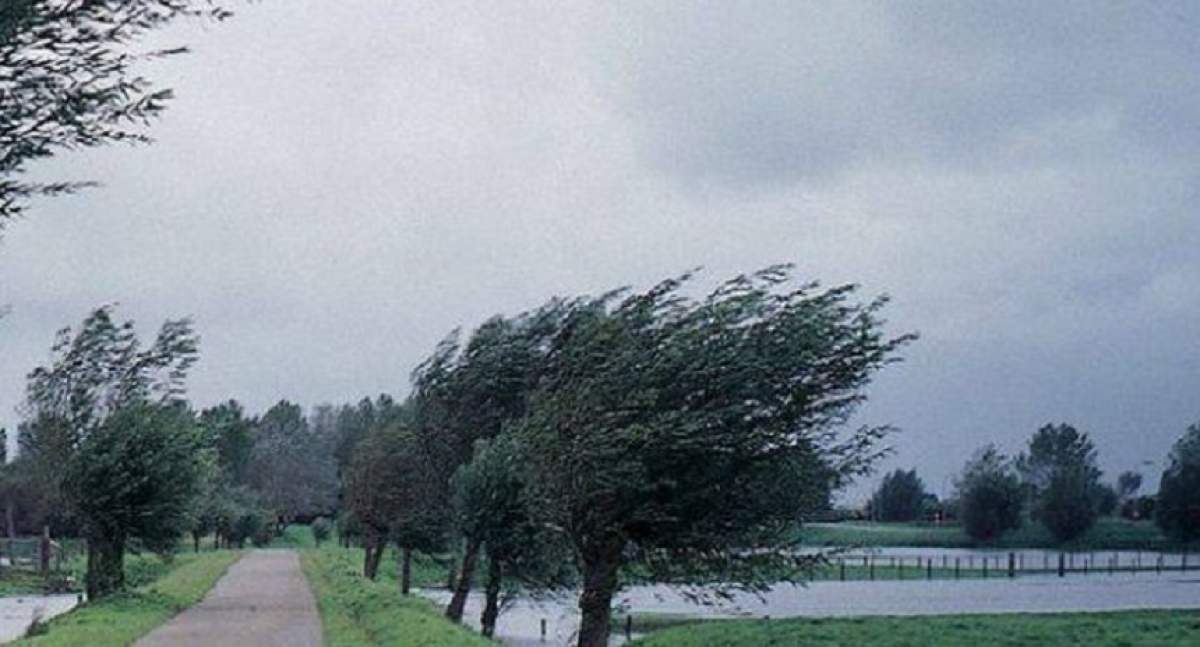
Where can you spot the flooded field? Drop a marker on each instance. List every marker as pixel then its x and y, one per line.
pixel 18 612
pixel 521 623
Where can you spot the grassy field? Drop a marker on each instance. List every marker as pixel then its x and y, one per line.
pixel 1160 628
pixel 162 590
pixel 1107 534
pixel 356 611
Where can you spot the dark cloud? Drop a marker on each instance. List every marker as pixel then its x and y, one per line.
pixel 339 184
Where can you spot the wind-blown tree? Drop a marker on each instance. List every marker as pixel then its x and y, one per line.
pixel 1177 511
pixel 492 509
pixel 1059 469
pixel 462 395
pixel 95 371
pixel 989 494
pixel 292 469
pixel 392 491
pixel 690 435
pixel 69 78
pixel 901 497
pixel 135 477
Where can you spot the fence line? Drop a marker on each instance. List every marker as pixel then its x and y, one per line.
pixel 1001 565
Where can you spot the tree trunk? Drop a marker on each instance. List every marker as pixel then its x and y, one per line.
pixel 491 607
pixel 405 570
pixel 465 574
pixel 8 516
pixel 599 585
pixel 105 566
pixel 372 554
pixel 196 542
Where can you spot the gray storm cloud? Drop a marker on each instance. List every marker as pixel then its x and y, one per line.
pixel 339 184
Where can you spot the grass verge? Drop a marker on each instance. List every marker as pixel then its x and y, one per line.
pixel 119 620
pixel 356 611
pixel 1160 628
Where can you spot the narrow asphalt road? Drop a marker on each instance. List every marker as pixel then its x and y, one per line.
pixel 263 601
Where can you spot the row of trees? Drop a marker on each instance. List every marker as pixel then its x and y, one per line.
pixel 110 450
pixel 678 436
pixel 1056 482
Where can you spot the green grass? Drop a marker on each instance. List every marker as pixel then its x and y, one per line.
pixel 1107 534
pixel 356 611
pixel 1127 628
pixel 166 588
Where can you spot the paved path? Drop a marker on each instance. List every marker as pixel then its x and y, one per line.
pixel 263 601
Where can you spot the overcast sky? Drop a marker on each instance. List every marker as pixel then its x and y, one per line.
pixel 338 184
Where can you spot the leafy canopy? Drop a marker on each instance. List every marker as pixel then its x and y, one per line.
pixel 685 430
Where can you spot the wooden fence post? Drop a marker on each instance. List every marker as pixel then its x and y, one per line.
pixel 1062 565
pixel 1012 564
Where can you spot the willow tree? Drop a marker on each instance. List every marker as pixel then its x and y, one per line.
pixel 71 77
pixel 689 435
pixel 107 398
pixel 136 477
pixel 464 394
pixel 492 510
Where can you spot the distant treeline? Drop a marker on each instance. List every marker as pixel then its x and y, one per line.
pixel 1056 482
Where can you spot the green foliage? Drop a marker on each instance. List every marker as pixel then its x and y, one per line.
pixel 677 432
pixel 1178 506
pixel 1059 470
pixel 70 80
pixel 134 477
pixel 491 506
pixel 990 496
pixel 1164 628
pixel 901 497
pixel 97 370
pixel 321 530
